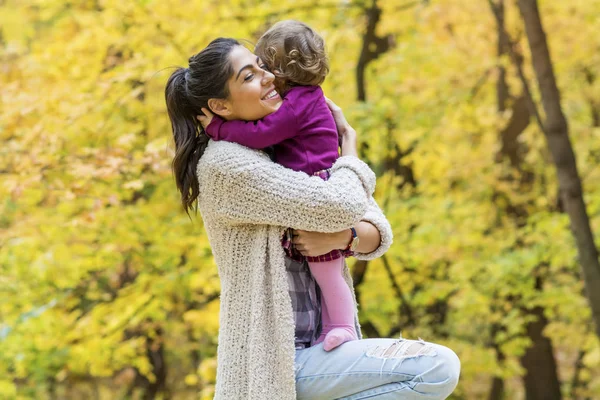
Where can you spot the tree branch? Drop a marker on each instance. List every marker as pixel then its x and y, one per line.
pixel 405 307
pixel 517 60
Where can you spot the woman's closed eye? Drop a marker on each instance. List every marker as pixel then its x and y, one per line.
pixel 250 76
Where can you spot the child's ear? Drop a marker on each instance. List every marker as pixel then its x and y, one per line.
pixel 220 107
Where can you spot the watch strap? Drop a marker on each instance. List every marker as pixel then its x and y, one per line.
pixel 352 239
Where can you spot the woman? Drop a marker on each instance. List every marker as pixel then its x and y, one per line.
pixel 269 304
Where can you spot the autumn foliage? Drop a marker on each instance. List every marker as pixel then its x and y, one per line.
pixel 109 291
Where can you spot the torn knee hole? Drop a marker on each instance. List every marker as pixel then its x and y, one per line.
pixel 391 349
pixel 402 349
pixel 414 349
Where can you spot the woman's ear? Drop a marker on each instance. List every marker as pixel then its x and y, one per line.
pixel 221 107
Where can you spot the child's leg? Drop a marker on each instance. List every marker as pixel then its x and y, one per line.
pixel 333 334
pixel 336 302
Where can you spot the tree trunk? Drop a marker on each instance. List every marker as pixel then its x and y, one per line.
pixel 373 46
pixel 541 380
pixel 497 389
pixel 557 136
pixel 541 377
pixel 502 97
pixel 497 392
pixel 576 382
pixel 502 94
pixel 155 351
pixel 538 361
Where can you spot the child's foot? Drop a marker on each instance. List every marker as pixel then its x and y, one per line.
pixel 337 336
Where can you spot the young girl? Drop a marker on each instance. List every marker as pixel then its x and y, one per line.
pixel 304 138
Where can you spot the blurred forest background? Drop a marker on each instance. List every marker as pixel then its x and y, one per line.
pixel 109 291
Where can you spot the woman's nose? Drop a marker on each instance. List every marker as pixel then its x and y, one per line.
pixel 267 78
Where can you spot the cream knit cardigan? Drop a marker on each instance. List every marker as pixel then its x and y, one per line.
pixel 246 201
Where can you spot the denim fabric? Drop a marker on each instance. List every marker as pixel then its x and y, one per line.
pixel 382 369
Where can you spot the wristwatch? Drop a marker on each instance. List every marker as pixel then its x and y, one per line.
pixel 353 244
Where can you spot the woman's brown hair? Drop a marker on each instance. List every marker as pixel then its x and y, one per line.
pixel 187 92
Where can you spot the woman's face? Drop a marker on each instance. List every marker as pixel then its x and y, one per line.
pixel 252 94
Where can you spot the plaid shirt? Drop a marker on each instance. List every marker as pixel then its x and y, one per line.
pixel 306 304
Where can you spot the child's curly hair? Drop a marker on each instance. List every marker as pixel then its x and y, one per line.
pixel 294 53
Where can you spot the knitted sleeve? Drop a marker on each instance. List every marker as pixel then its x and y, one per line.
pixel 375 216
pixel 245 187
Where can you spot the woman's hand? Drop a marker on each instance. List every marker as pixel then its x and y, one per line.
pixel 346 133
pixel 206 118
pixel 340 121
pixel 314 244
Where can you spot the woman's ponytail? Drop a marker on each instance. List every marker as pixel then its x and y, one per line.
pixel 187 92
pixel 190 139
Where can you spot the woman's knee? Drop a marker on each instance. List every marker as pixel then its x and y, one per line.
pixel 438 377
pixel 449 370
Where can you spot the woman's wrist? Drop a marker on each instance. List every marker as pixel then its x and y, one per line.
pixel 349 142
pixel 343 239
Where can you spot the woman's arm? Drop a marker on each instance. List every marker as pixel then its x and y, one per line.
pixel 243 186
pixel 314 244
pixel 373 230
pixel 370 238
pixel 374 216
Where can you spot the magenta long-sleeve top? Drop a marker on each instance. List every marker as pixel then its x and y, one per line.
pixel 302 131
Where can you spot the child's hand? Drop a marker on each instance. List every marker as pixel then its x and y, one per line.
pixel 206 118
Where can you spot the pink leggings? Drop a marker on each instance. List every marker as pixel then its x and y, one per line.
pixel 336 302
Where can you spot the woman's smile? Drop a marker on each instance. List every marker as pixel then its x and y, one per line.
pixel 271 95
pixel 272 98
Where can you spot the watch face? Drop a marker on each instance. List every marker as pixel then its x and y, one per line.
pixel 354 244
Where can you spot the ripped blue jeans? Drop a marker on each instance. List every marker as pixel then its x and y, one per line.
pixel 382 369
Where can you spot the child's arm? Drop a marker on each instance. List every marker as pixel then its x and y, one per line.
pixel 268 131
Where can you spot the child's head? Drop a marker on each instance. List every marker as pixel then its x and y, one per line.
pixel 294 53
